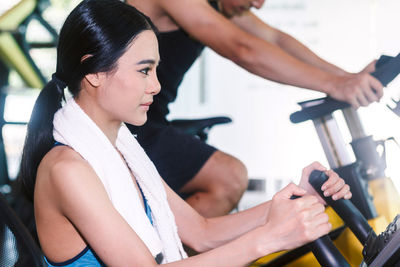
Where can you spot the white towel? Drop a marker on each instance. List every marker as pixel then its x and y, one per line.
pixel 75 129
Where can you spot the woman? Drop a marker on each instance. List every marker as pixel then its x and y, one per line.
pixel 98 198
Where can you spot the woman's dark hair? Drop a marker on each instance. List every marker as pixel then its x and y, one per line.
pixel 102 29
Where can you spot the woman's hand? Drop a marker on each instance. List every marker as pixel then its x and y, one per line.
pixel 334 186
pixel 295 222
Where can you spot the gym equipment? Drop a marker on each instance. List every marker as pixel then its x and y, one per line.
pixel 199 127
pixel 378 250
pixel 382 250
pixel 324 250
pixel 14 48
pixel 15 55
pixel 15 17
pixel 373 193
pixel 17 247
pixel 368 170
pixel 5 179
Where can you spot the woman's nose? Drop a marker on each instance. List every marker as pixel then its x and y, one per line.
pixel 155 87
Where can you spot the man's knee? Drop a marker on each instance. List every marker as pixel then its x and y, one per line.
pixel 235 181
pixel 229 179
pixel 223 175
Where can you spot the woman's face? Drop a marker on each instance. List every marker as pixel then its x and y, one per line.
pixel 128 91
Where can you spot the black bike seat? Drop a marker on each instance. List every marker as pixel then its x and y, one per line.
pixel 195 126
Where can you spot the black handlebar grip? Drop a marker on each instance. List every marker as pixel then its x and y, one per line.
pixel 387 68
pixel 325 251
pixel 344 208
pixel 327 106
pixel 327 254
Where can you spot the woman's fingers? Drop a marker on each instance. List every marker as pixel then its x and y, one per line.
pixel 343 193
pixel 336 187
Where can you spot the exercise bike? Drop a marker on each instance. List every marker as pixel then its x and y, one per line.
pixel 374 194
pixel 382 250
pixel 368 171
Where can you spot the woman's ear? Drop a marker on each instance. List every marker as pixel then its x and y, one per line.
pixel 94 79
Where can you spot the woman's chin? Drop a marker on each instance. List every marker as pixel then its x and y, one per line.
pixel 139 122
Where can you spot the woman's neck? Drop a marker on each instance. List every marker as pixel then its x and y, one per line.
pixel 108 126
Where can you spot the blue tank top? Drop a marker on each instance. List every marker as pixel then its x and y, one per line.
pixel 87 257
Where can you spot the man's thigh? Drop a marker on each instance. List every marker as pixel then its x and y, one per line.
pixel 221 171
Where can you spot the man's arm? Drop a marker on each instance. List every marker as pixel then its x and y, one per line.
pixel 264 58
pixel 250 23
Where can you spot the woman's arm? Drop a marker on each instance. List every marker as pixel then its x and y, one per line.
pixel 206 234
pixel 203 234
pixel 236 240
pixel 80 196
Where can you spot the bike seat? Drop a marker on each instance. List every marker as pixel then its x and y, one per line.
pixel 199 127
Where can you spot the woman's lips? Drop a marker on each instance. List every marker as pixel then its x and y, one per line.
pixel 146 105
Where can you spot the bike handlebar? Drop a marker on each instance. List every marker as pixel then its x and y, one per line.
pixel 323 248
pixel 325 251
pixel 344 208
pixel 387 68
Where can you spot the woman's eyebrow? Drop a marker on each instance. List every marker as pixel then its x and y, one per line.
pixel 146 61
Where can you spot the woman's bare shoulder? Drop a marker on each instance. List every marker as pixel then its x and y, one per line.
pixel 61 158
pixel 62 166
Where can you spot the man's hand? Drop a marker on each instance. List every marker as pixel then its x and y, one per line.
pixel 358 89
pixel 370 67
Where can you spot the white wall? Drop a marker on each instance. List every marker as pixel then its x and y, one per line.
pixel 347 33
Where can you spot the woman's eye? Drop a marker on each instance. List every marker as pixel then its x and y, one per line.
pixel 145 71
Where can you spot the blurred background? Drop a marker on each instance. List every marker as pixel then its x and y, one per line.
pixel 347 33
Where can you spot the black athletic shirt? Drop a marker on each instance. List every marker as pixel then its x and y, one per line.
pixel 178 51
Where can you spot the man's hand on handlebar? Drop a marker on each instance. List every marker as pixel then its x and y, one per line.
pixel 370 67
pixel 358 89
pixel 334 186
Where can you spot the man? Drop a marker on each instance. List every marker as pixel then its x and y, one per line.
pixel 214 181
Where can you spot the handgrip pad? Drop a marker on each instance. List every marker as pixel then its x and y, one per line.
pixel 344 208
pixel 386 69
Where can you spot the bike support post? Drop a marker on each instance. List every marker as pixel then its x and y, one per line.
pixel 340 161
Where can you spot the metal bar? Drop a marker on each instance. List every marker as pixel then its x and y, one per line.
pixel 353 123
pixel 332 141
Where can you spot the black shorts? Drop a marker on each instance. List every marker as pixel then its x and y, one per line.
pixel 177 156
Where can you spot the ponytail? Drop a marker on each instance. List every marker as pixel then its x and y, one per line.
pixel 39 138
